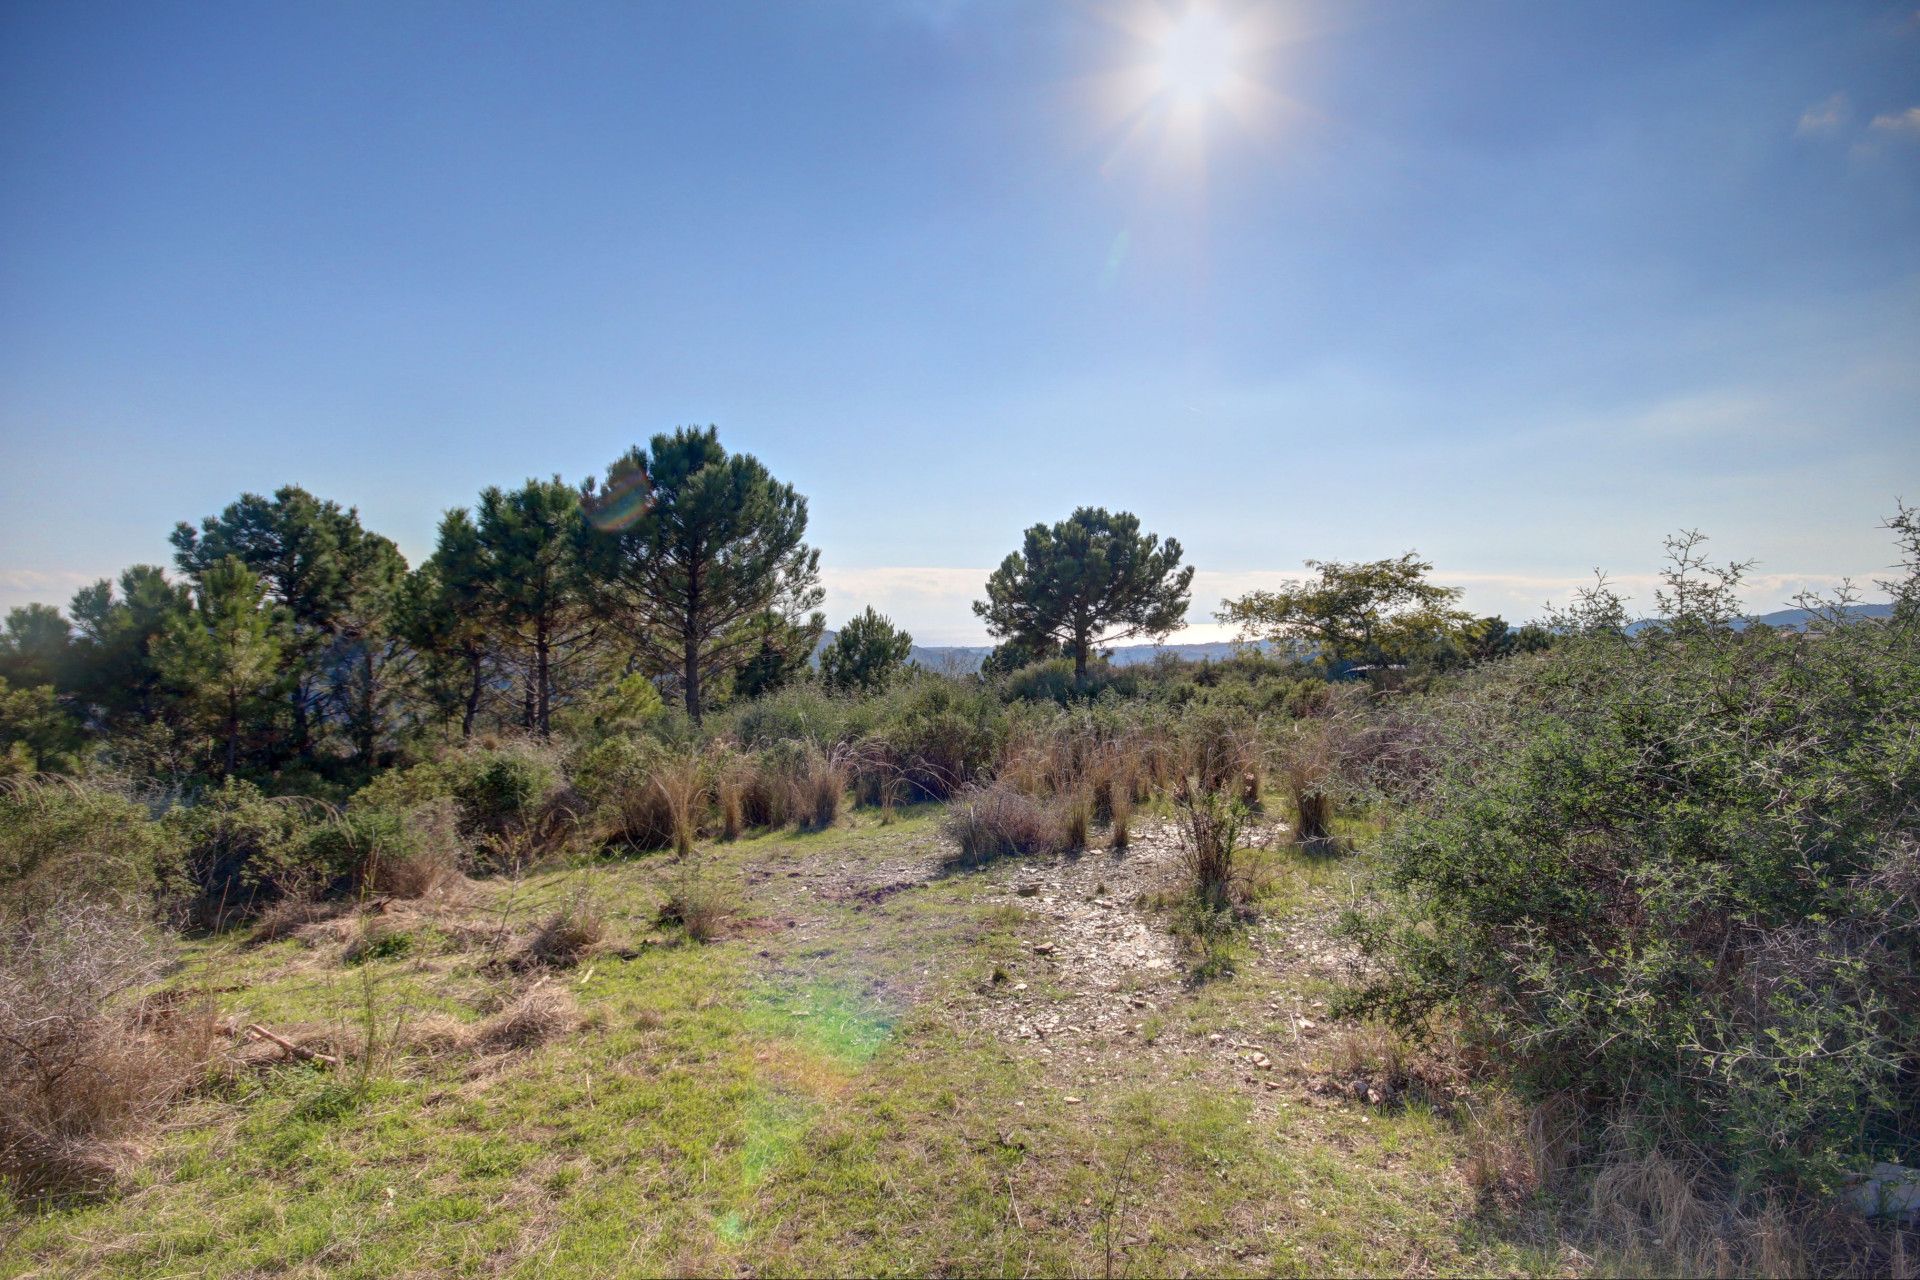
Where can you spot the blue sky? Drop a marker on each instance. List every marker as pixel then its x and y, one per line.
pixel 1522 286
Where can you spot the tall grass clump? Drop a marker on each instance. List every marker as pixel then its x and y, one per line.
pixel 1673 873
pixel 997 820
pixel 86 1063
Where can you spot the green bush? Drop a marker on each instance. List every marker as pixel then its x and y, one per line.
pixel 1674 875
pixel 238 845
pixel 63 842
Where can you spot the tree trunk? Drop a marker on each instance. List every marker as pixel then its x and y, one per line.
pixel 473 694
pixel 368 700
pixel 690 676
pixel 690 643
pixel 1080 647
pixel 526 694
pixel 543 649
pixel 233 734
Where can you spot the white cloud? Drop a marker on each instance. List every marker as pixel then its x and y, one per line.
pixel 1907 122
pixel 1824 117
pixel 42 586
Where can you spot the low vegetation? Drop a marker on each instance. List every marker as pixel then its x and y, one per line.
pixel 533 911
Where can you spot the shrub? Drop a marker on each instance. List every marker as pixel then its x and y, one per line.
pixel 697 901
pixel 506 788
pixel 1672 874
pixel 617 777
pixel 239 846
pixel 64 841
pixel 568 935
pixel 995 821
pixel 1209 822
pixel 408 853
pixel 84 1061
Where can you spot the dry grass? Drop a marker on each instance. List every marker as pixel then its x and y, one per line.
pixel 86 1063
pixel 681 786
pixel 998 820
pixel 1208 823
pixel 567 936
pixel 538 1014
pixel 698 901
pixel 820 787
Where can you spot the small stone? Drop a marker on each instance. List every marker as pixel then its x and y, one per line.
pixel 1213 1037
pixel 1027 890
pixel 1043 948
pixel 1019 986
pixel 1070 1099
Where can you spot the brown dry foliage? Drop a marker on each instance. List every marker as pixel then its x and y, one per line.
pixel 998 820
pixel 87 1060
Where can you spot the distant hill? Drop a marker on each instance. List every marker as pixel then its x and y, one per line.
pixel 1793 619
pixel 960 659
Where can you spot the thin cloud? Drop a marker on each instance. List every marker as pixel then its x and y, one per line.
pixel 1899 122
pixel 42 586
pixel 1824 118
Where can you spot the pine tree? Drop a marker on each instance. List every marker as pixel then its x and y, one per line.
pixel 866 654
pixel 225 651
pixel 1091 577
pixel 687 545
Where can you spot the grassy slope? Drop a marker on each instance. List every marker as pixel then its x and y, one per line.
pixel 820 1092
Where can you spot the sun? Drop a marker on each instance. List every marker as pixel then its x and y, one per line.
pixel 1197 56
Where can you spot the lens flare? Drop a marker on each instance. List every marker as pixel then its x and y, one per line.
pixel 622 502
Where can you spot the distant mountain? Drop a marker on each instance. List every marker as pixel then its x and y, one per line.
pixel 1792 619
pixel 961 659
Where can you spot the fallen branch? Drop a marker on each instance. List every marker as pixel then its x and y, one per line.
pixel 298 1051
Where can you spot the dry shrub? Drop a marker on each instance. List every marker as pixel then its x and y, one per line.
pixel 997 820
pixel 1208 822
pixel 426 864
pixel 568 935
pixel 820 787
pixel 698 902
pixel 1121 831
pixel 541 1013
pixel 85 1062
pixel 681 785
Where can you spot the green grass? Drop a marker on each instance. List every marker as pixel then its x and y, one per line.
pixel 795 1100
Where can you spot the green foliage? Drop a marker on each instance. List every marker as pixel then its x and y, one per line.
pixel 64 842
pixel 688 546
pixel 506 786
pixel 1093 576
pixel 1673 874
pixel 238 845
pixel 535 586
pixel 866 655
pixel 33 646
pixel 112 667
pixel 37 734
pixel 224 653
pixel 334 583
pixel 1380 611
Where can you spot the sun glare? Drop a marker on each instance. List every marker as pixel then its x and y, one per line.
pixel 1197 56
pixel 1195 74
